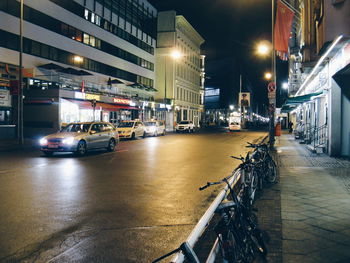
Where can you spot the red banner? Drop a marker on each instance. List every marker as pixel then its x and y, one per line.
pixel 283 24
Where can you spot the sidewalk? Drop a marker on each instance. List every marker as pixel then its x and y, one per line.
pixel 13 145
pixel 307 214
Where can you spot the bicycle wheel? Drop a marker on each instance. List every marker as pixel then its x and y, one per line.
pixel 271 171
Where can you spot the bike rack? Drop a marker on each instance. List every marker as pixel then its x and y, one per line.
pixel 204 222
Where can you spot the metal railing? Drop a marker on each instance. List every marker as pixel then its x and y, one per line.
pixel 308 133
pixel 320 136
pixel 204 222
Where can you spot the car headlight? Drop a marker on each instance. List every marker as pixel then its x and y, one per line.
pixel 43 141
pixel 68 141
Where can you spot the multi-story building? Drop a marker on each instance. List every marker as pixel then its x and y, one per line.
pixel 81 57
pixel 179 78
pixel 319 73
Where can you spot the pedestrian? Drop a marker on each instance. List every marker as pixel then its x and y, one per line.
pixel 290 126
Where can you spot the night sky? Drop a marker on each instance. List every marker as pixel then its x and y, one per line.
pixel 231 29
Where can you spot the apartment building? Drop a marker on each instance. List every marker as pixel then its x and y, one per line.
pixel 179 69
pixel 319 72
pixel 82 60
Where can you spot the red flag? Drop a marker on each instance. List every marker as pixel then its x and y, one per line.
pixel 82 86
pixel 283 24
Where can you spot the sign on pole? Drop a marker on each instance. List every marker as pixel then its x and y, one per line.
pixel 271 90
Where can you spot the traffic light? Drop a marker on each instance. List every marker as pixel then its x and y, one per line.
pixel 93 103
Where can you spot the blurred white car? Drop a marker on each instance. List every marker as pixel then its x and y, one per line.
pixel 185 126
pixel 234 126
pixel 81 137
pixel 154 128
pixel 131 129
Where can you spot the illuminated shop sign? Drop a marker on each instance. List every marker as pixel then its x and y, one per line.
pixel 122 101
pixel 92 97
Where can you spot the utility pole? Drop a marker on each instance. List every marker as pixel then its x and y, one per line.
pixel 20 86
pixel 272 101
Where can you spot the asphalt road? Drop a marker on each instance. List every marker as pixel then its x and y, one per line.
pixel 131 205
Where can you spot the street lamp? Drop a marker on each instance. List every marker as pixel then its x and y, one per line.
pixel 285 85
pixel 263 48
pixel 232 107
pixel 175 55
pixel 267 75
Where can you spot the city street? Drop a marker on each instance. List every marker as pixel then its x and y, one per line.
pixel 131 205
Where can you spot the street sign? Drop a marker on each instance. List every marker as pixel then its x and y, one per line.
pixel 271 90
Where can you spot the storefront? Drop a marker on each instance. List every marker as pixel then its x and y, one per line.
pixel 78 110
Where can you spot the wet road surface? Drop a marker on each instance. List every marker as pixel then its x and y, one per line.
pixel 131 205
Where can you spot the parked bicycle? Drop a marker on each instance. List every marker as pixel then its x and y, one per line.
pixel 264 165
pixel 249 179
pixel 239 237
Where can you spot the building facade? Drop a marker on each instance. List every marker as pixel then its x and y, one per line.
pixel 179 81
pixel 96 60
pixel 319 74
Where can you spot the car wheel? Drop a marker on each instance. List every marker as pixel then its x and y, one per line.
pixel 48 153
pixel 133 136
pixel 163 133
pixel 111 145
pixel 177 131
pixel 144 135
pixel 81 148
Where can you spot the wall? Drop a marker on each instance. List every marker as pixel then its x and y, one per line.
pixel 345 146
pixel 337 19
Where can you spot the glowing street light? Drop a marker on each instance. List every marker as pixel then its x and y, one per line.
pixel 268 75
pixel 176 54
pixel 263 48
pixel 285 85
pixel 232 107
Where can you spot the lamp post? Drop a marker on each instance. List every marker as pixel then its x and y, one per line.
pixel 20 87
pixel 175 55
pixel 272 102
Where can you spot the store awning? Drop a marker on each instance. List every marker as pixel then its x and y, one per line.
pixel 142 87
pixel 86 104
pixel 342 77
pixel 301 99
pixel 288 108
pixel 51 66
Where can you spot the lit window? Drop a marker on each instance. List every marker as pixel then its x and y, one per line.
pixel 92 41
pixel 86 14
pixel 92 18
pixel 86 39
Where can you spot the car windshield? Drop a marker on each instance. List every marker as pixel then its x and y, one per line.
pixel 150 123
pixel 76 127
pixel 126 124
pixel 183 122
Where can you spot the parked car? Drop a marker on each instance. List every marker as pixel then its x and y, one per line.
pixel 184 126
pixel 234 126
pixel 81 137
pixel 131 129
pixel 154 128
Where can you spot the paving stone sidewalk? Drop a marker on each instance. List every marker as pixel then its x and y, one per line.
pixel 313 197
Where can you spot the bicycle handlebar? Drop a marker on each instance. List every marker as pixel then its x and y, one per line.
pixel 241 158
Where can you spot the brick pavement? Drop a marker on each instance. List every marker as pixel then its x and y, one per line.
pixel 307 215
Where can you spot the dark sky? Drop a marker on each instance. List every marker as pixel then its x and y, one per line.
pixel 230 28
